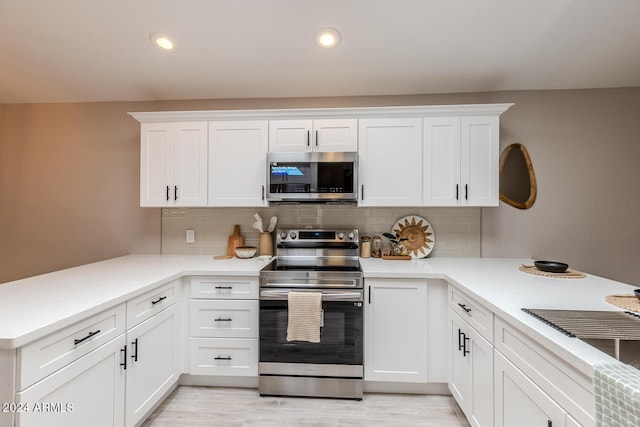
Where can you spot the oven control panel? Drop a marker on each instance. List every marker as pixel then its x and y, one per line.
pixel 317 235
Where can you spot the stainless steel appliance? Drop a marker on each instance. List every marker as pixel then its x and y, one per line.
pixel 313 260
pixel 324 177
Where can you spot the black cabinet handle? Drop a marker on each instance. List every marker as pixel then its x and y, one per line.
pixel 316 138
pixel 465 350
pixel 222 358
pixel 466 191
pixel 308 137
pixel 158 300
pixel 369 294
pixel 76 342
pixel 175 192
pixel 263 192
pixel 460 335
pixel 362 192
pixel 219 319
pixel 224 287
pixel 549 423
pixel 457 191
pixel 464 307
pixel 167 193
pixel 134 344
pixel 124 364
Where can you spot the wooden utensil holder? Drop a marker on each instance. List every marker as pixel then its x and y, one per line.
pixel 265 244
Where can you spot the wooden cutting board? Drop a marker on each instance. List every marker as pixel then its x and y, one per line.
pixel 235 240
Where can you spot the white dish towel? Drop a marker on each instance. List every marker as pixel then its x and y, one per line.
pixel 617 395
pixel 305 316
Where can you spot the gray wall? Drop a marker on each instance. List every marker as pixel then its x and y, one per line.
pixel 69 179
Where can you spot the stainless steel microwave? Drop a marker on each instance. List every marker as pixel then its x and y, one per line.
pixel 326 177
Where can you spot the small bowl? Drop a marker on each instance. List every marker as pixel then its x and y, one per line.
pixel 637 293
pixel 551 266
pixel 245 251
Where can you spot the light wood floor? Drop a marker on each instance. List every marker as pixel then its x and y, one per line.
pixel 221 407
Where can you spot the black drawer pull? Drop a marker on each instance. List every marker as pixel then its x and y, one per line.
pixel 224 287
pixel 465 351
pixel 219 319
pixel 158 300
pixel 134 344
pixel 124 364
pixel 222 358
pixel 76 342
pixel 464 307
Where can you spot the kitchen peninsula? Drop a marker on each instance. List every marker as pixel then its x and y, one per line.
pixel 34 309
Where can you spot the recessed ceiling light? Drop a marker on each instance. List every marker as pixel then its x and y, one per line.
pixel 327 37
pixel 163 41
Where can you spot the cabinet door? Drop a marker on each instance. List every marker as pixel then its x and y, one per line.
pixel 519 402
pixel 237 163
pixel 156 164
pixel 480 160
pixel 190 164
pixel 460 367
pixel 87 392
pixel 441 161
pixel 396 331
pixel 390 162
pixel 290 135
pixel 471 372
pixel 152 367
pixel 335 135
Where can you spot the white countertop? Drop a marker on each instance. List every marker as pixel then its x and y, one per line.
pixel 33 307
pixel 505 290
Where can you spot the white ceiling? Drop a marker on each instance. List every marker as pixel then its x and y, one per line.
pixel 99 50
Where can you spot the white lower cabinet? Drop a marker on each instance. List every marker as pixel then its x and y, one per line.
pixel 396 318
pixel 224 356
pixel 152 367
pixel 519 402
pixel 223 327
pixel 73 377
pixel 88 392
pixel 471 371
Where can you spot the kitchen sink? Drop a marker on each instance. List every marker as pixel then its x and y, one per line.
pixel 616 333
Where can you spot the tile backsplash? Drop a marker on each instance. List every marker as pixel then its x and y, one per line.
pixel 457 230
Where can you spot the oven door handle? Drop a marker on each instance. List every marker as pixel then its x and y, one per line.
pixel 282 294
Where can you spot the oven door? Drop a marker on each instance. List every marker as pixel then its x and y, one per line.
pixel 341 333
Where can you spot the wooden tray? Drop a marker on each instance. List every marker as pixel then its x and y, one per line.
pixel 396 257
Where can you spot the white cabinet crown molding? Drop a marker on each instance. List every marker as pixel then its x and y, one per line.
pixel 318 113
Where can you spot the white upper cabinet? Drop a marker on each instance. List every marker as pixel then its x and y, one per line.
pixel 313 135
pixel 173 164
pixel 460 157
pixel 390 162
pixel 237 162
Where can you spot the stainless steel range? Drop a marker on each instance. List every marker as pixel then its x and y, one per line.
pixel 320 261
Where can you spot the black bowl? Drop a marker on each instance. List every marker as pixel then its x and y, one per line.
pixel 637 292
pixel 551 266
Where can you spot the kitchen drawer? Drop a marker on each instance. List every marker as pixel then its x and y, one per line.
pixel 476 315
pixel 223 356
pixel 42 357
pixel 224 318
pixel 224 287
pixel 146 305
pixel 570 388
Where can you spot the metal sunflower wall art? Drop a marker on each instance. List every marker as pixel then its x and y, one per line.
pixel 419 234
